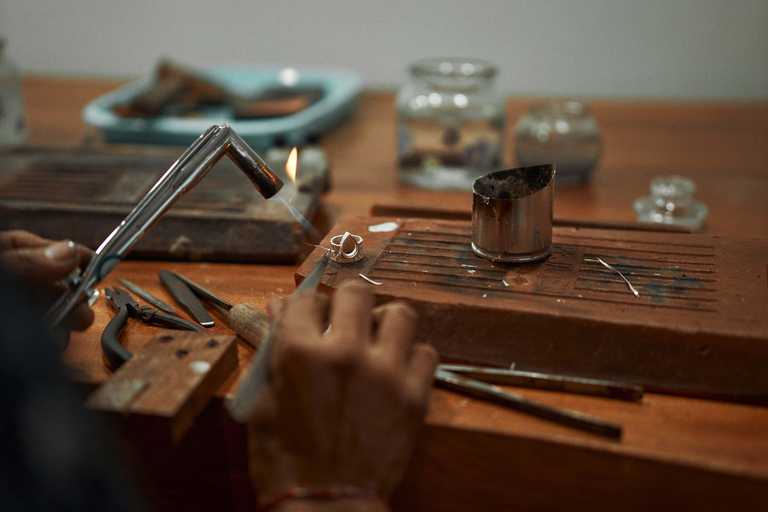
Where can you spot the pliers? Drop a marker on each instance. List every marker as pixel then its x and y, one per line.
pixel 125 306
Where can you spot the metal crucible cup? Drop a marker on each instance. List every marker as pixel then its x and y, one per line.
pixel 512 214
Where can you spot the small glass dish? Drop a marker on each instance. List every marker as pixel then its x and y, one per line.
pixel 671 202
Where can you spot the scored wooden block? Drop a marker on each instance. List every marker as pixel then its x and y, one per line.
pixel 697 326
pixel 168 382
pixel 88 193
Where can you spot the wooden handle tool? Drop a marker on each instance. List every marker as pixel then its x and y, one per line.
pixel 248 321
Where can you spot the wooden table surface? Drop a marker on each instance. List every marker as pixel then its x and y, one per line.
pixel 675 451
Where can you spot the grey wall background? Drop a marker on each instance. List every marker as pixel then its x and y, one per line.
pixel 617 48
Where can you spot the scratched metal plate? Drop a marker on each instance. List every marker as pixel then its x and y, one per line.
pixel 698 325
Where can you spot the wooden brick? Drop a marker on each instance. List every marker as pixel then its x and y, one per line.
pixel 168 382
pixel 698 326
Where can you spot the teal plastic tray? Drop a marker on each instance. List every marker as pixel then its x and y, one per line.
pixel 341 89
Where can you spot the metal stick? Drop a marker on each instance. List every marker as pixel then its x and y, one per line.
pixel 241 404
pixel 563 383
pixel 492 393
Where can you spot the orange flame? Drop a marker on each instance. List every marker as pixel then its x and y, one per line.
pixel 290 165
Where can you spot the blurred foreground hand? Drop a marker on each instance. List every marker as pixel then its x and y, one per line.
pixel 38 264
pixel 344 405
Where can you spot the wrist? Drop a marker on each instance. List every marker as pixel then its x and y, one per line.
pixel 336 505
pixel 321 498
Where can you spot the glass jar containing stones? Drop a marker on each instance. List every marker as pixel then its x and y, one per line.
pixel 559 131
pixel 450 123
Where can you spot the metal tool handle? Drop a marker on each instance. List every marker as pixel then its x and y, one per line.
pixel 113 351
pixel 184 174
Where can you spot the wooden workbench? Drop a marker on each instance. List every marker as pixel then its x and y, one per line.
pixel 676 452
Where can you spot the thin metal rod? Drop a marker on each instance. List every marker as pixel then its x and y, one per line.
pixel 495 394
pixel 241 404
pixel 141 292
pixel 614 269
pixel 548 381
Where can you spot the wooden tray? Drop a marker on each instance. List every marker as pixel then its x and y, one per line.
pixel 83 196
pixel 699 326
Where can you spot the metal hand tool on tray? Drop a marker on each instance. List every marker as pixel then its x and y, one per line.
pixel 159 304
pixel 181 177
pixel 245 319
pixel 186 298
pixel 151 299
pixel 126 307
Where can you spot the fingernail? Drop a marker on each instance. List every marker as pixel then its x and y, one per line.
pixel 61 251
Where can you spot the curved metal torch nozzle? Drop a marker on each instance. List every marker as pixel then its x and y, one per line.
pixel 181 177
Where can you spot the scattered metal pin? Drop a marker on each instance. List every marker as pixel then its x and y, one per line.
pixel 371 280
pixel 609 267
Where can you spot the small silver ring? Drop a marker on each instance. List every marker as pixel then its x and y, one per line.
pixel 351 255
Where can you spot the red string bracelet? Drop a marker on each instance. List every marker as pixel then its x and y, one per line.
pixel 320 492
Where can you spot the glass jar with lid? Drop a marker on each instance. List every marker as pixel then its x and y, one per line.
pixel 671 202
pixel 450 123
pixel 560 132
pixel 12 132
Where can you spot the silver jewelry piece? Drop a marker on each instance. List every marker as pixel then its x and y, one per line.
pixel 346 248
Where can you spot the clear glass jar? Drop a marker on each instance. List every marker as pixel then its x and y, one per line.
pixel 671 202
pixel 449 123
pixel 560 132
pixel 12 132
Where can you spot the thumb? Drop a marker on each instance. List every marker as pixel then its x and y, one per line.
pixel 275 307
pixel 42 265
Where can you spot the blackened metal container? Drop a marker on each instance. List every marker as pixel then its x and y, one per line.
pixel 512 214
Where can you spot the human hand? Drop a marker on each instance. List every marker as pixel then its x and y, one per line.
pixel 342 407
pixel 38 263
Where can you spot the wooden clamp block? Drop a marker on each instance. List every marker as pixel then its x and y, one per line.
pixel 168 382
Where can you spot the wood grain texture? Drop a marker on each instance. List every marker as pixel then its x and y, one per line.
pixel 249 322
pixel 696 327
pixel 167 383
pixel 675 451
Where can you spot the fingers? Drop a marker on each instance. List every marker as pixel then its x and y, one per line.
pixel 18 239
pixel 265 408
pixel 42 264
pixel 351 314
pixel 304 316
pixel 422 365
pixel 396 326
pixel 275 307
pixel 81 317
